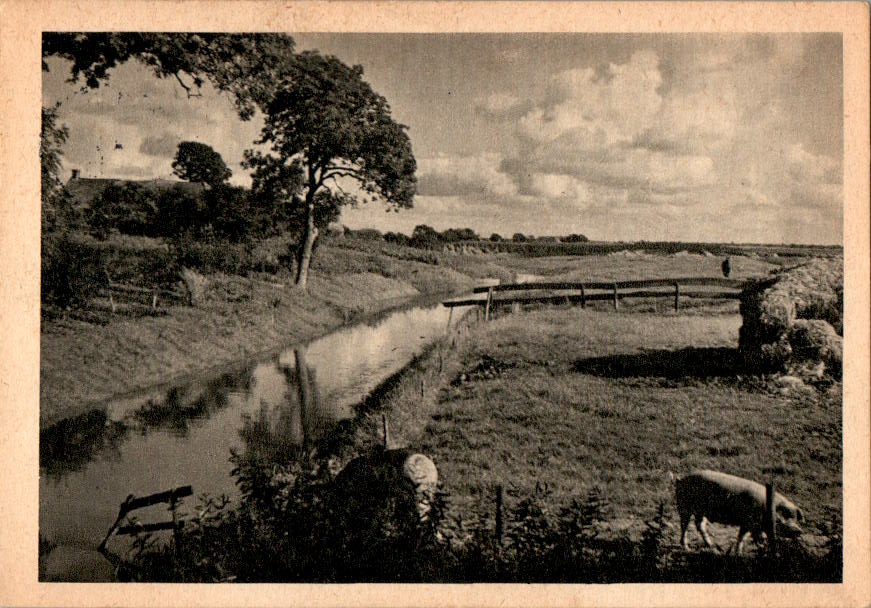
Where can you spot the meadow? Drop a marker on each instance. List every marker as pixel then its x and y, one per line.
pixel 578 415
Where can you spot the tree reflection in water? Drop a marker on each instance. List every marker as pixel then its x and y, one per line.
pixel 286 432
pixel 72 443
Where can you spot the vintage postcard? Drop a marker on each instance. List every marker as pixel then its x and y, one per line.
pixel 435 304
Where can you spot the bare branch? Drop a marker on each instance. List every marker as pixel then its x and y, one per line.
pixel 187 88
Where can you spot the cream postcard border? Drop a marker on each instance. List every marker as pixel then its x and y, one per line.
pixel 21 25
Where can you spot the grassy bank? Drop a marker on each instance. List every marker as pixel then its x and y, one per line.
pixel 582 402
pixel 90 355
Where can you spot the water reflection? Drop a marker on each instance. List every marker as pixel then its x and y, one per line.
pixel 276 409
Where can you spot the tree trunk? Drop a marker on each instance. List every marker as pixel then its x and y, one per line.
pixel 308 239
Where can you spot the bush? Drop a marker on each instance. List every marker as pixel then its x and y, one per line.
pixel 72 272
pixel 425 237
pixel 212 255
pixel 369 234
pixel 127 208
pixel 179 212
pixel 229 212
pixel 397 238
pixel 287 528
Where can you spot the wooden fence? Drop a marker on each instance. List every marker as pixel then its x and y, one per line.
pixel 577 292
pixel 141 295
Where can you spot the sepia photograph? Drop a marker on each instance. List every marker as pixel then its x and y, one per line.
pixel 453 307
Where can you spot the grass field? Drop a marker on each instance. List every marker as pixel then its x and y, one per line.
pixel 577 400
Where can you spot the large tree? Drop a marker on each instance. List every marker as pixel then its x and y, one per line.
pixel 325 121
pixel 199 163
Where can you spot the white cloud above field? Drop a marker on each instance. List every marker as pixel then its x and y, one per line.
pixel 661 137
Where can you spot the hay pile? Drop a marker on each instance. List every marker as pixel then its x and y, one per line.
pixel 794 321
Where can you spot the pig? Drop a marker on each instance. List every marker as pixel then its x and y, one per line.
pixel 727 499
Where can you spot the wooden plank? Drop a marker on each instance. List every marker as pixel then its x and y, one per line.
pixel 684 282
pixel 153 499
pixel 489 301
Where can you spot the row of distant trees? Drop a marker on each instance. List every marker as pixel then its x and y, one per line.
pixel 427 237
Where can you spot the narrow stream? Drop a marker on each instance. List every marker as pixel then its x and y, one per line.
pixel 183 435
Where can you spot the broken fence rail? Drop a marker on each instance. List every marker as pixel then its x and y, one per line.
pixel 131 503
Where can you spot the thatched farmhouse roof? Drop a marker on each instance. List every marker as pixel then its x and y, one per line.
pixel 85 189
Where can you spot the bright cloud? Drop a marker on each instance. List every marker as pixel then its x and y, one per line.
pixel 471 175
pixel 607 109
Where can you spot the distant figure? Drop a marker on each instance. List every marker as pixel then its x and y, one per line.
pixel 727 268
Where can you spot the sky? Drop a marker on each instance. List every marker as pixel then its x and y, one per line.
pixel 690 137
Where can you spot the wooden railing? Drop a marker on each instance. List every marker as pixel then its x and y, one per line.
pixel 581 292
pixel 141 295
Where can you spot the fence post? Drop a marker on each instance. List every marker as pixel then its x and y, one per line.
pixel 489 299
pixel 676 296
pixel 154 301
pixel 615 297
pixel 384 426
pixel 768 521
pixel 450 316
pixel 422 388
pixel 583 297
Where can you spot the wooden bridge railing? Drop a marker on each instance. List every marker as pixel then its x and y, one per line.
pixel 612 291
pixel 636 284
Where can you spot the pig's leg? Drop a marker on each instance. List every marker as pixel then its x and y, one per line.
pixel 702 525
pixel 684 528
pixel 742 536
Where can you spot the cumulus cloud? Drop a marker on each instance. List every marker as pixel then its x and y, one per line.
pixel 501 105
pixel 597 109
pixel 448 175
pixel 551 185
pixel 806 166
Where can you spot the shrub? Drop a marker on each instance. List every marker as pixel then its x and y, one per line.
pixel 178 212
pixel 72 271
pixel 229 212
pixel 212 256
pixel 425 237
pixel 128 208
pixel 397 238
pixel 369 234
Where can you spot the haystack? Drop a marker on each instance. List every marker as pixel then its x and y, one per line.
pixel 794 320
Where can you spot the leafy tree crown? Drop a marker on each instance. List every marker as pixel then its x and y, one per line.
pixel 199 163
